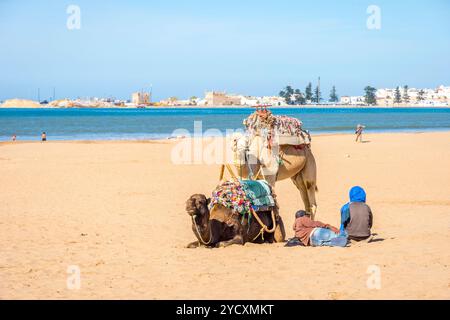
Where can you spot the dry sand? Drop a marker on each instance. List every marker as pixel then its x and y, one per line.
pixel 20 103
pixel 116 210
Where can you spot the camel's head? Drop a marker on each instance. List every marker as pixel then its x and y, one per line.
pixel 197 206
pixel 239 145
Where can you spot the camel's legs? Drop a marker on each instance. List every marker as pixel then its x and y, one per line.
pixel 236 240
pixel 194 244
pixel 298 181
pixel 311 194
pixel 280 233
pixel 309 176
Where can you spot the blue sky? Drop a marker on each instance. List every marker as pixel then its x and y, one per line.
pixel 254 47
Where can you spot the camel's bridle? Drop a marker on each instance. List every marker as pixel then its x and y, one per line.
pixel 199 235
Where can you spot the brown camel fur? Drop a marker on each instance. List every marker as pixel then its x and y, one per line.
pixel 297 163
pixel 220 227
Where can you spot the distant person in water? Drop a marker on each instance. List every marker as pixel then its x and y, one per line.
pixel 13 138
pixel 356 216
pixel 359 131
pixel 44 136
pixel 316 233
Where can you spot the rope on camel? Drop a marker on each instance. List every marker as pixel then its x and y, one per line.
pixel 264 228
pixel 198 232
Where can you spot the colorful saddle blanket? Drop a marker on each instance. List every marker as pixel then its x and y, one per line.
pixel 288 130
pixel 244 196
pixel 260 194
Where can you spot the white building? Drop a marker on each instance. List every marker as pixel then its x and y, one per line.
pixel 353 100
pixel 273 100
pixel 357 100
pixel 430 97
pixel 443 93
pixel 250 101
pixel 345 100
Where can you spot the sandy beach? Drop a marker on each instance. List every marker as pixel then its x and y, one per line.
pixel 117 211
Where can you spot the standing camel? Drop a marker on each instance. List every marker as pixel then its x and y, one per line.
pixel 254 157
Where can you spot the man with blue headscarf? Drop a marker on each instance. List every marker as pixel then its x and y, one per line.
pixel 356 216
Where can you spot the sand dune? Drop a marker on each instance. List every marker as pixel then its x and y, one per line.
pixel 20 103
pixel 116 210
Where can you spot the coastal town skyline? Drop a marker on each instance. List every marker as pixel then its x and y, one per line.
pixel 399 96
pixel 48 94
pixel 251 47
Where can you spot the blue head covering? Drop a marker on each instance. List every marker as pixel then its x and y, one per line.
pixel 357 194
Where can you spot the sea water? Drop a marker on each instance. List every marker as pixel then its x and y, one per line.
pixel 161 123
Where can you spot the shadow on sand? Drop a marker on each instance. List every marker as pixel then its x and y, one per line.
pixel 376 238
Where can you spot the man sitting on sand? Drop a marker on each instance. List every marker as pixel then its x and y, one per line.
pixel 316 233
pixel 356 216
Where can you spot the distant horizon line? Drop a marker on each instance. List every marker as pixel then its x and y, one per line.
pixel 111 96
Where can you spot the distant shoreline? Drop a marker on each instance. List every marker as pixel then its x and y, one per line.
pixel 175 139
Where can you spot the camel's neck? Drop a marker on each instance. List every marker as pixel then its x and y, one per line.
pixel 203 229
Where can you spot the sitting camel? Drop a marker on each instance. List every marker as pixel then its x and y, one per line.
pixel 220 227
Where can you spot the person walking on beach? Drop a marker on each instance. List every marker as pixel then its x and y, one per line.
pixel 316 233
pixel 358 132
pixel 13 138
pixel 356 216
pixel 44 136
